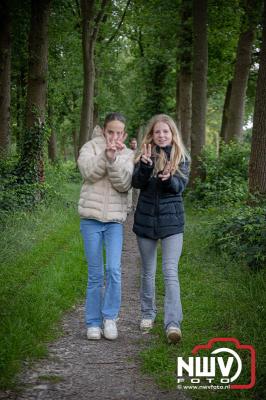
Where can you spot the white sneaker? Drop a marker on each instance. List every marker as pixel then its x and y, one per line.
pixel 173 334
pixel 94 333
pixel 146 324
pixel 110 329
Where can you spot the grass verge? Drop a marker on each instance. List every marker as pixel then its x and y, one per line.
pixel 220 298
pixel 42 275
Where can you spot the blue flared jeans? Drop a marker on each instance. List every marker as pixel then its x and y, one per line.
pixel 103 297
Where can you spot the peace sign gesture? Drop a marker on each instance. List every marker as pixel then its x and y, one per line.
pixel 110 150
pixel 146 154
pixel 120 142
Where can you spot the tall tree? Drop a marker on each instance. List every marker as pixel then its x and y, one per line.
pixel 31 163
pixel 185 74
pixel 257 166
pixel 234 127
pixel 52 143
pixel 199 79
pixel 92 15
pixel 65 61
pixel 226 111
pixel 5 72
pixel 38 63
pixel 20 13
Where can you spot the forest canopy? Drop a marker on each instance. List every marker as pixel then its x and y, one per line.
pixel 65 64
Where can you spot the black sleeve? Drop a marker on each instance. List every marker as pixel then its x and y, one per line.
pixel 141 175
pixel 176 183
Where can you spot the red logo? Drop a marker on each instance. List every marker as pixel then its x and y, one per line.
pixel 214 365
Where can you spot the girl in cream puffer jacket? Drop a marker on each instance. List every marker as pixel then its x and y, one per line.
pixel 106 166
pixel 104 193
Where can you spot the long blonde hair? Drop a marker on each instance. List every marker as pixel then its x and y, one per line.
pixel 178 151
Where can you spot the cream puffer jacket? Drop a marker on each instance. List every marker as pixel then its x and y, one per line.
pixel 104 193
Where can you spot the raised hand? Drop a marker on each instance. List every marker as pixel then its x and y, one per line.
pixel 166 172
pixel 110 150
pixel 146 154
pixel 120 143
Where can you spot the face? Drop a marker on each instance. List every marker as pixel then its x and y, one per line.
pixel 162 135
pixel 114 131
pixel 133 144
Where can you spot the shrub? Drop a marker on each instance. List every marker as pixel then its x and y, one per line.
pixel 17 193
pixel 225 176
pixel 242 235
pixel 66 171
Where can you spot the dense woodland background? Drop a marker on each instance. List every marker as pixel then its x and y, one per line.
pixel 64 64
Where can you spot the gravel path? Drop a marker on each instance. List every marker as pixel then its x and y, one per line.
pixel 78 369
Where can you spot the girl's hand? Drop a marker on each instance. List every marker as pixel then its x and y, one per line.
pixel 120 143
pixel 166 172
pixel 146 154
pixel 110 150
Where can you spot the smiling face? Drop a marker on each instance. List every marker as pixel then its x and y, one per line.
pixel 162 135
pixel 114 130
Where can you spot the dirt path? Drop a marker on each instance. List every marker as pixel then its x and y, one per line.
pixel 78 369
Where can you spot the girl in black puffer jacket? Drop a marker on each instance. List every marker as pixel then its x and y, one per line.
pixel 161 173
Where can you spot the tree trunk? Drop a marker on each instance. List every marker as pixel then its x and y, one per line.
pixel 95 105
pixel 177 102
pixel 31 164
pixel 95 115
pixel 63 146
pixel 90 28
pixel 86 122
pixel 185 97
pixel 199 78
pixel 38 63
pixel 159 83
pixel 140 136
pixel 5 73
pixel 52 143
pixel 75 143
pixel 257 165
pixel 155 84
pixel 21 87
pixel 52 147
pixel 234 129
pixel 185 77
pixel 225 112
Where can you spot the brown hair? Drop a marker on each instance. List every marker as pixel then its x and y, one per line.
pixel 114 116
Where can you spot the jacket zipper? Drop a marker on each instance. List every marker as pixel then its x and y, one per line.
pixel 156 211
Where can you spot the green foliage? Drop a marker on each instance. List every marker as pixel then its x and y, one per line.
pixel 42 276
pixel 223 33
pixel 225 175
pixel 220 298
pixel 63 172
pixel 133 76
pixel 30 166
pixel 65 70
pixel 242 235
pixel 19 194
pixel 14 193
pixel 137 63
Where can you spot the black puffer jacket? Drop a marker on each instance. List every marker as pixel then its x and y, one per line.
pixel 160 209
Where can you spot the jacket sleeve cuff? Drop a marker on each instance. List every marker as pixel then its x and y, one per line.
pixel 146 169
